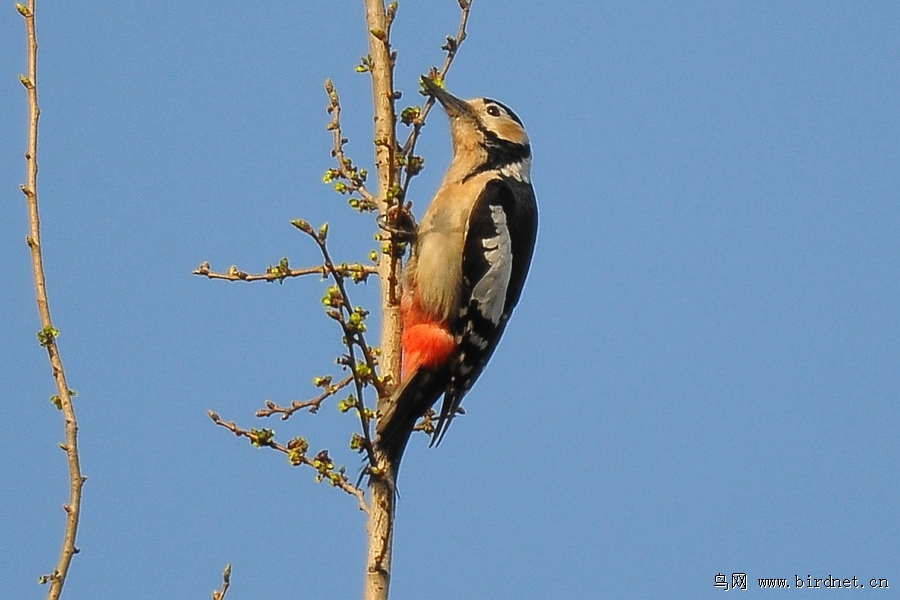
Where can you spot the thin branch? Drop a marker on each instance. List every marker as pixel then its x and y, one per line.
pixel 350 319
pixel 354 177
pixel 453 44
pixel 296 452
pixel 313 405
pixel 357 272
pixel 47 335
pixel 219 594
pixel 365 416
pixel 451 48
pixel 353 333
pixel 427 423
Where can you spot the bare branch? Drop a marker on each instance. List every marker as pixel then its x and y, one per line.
pixel 219 594
pixel 451 48
pixel 351 321
pixel 296 453
pixel 313 405
pixel 427 423
pixel 47 335
pixel 354 333
pixel 353 178
pixel 357 272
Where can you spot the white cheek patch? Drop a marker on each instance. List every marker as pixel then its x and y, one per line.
pixel 520 171
pixel 490 291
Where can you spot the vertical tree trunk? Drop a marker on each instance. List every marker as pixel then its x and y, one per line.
pixel 382 494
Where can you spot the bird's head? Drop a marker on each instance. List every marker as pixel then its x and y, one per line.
pixel 484 130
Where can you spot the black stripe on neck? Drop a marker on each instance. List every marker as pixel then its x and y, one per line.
pixel 500 153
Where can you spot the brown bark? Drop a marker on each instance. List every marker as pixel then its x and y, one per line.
pixel 48 332
pixel 381 487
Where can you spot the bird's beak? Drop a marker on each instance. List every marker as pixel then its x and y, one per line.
pixel 453 106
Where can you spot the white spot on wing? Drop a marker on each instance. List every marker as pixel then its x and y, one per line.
pixel 490 291
pixel 520 171
pixel 477 340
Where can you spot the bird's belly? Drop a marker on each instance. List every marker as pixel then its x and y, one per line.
pixel 439 273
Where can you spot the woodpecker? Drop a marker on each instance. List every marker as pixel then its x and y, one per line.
pixel 467 268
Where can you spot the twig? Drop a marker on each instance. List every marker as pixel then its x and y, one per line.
pixel 47 335
pixel 357 272
pixel 296 452
pixel 355 178
pixel 451 48
pixel 313 405
pixel 426 424
pixel 353 333
pixel 219 594
pixel 350 319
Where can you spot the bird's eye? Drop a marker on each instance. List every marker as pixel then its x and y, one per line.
pixel 493 111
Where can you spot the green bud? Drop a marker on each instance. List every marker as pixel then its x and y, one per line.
pixel 46 335
pixel 410 114
pixel 394 192
pixel 355 322
pixel 298 444
pixel 363 370
pixel 347 403
pixel 332 296
pixel 415 164
pixel 261 437
pixel 303 226
pixel 233 271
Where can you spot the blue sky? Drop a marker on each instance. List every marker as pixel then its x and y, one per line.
pixel 702 376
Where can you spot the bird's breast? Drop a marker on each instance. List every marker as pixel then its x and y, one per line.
pixel 439 249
